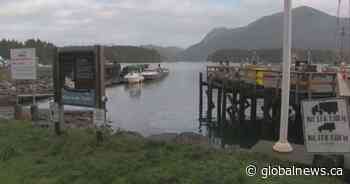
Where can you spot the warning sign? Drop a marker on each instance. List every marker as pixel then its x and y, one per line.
pixel 326 125
pixel 23 64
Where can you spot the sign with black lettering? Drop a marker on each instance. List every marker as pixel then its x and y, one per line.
pixel 326 125
pixel 23 64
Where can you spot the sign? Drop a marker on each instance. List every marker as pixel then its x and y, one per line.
pixel 23 64
pixel 99 117
pixel 78 97
pixel 54 112
pixel 85 69
pixel 326 125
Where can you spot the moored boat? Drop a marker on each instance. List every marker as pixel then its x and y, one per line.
pixel 154 74
pixel 134 77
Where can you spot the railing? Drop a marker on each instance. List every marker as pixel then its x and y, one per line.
pixel 310 82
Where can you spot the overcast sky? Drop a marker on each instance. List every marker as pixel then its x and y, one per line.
pixel 133 22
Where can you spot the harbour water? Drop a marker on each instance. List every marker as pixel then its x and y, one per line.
pixel 166 106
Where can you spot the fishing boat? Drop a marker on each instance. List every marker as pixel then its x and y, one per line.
pixel 134 77
pixel 154 74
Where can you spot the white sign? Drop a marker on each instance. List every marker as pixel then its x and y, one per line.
pixel 326 126
pixel 99 117
pixel 23 64
pixel 54 112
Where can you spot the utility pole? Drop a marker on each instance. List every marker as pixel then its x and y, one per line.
pixel 283 145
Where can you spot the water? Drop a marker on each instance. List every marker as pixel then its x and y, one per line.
pixel 166 106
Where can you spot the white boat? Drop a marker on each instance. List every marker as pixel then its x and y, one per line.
pixel 153 74
pixel 134 77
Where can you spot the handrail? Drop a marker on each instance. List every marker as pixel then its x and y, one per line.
pixel 298 77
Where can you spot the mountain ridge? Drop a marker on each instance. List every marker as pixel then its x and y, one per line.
pixel 312 29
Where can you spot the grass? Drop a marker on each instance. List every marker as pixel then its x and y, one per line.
pixel 36 156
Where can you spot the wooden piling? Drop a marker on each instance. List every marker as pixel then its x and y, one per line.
pixel 224 106
pixel 200 96
pixel 209 102
pixel 218 106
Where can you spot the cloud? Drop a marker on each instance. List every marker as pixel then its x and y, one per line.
pixel 133 22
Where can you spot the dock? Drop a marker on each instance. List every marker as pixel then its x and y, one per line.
pixel 242 107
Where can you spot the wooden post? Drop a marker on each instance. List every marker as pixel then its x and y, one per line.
pixel 233 106
pixel 297 80
pixel 224 106
pixel 209 102
pixel 219 105
pixel 58 93
pixel 200 96
pixel 99 86
pixel 309 92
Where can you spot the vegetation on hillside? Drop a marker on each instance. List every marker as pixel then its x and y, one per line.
pixel 44 50
pixel 46 53
pixel 36 156
pixel 131 54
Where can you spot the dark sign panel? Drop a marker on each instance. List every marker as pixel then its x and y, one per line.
pixel 79 78
pixel 78 97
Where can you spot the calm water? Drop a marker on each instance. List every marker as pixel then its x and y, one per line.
pixel 169 105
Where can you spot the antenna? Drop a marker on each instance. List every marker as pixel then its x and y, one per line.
pixel 340 35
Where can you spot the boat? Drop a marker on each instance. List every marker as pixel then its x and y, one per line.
pixel 154 74
pixel 134 77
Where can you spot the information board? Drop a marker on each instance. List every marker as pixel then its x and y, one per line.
pixel 23 64
pixel 78 97
pixel 326 125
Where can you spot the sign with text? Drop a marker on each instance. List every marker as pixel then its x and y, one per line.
pixel 23 64
pixel 326 125
pixel 78 97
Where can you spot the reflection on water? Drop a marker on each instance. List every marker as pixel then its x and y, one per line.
pixel 134 90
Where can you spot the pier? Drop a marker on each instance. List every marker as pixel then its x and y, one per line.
pixel 244 103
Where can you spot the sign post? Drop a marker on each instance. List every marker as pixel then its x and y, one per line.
pixel 283 145
pixel 79 78
pixel 24 67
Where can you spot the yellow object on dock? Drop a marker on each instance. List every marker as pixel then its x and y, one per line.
pixel 260 78
pixel 256 73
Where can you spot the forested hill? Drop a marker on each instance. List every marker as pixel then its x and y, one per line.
pixel 132 54
pixel 45 51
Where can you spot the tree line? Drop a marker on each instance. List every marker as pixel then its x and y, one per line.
pixel 46 51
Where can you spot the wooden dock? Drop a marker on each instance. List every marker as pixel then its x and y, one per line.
pixel 249 99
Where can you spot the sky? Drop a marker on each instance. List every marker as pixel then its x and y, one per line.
pixel 134 22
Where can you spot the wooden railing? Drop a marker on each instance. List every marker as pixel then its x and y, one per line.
pixel 303 81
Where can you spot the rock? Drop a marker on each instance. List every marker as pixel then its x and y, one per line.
pixel 165 137
pixel 191 138
pixel 328 161
pixel 130 134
